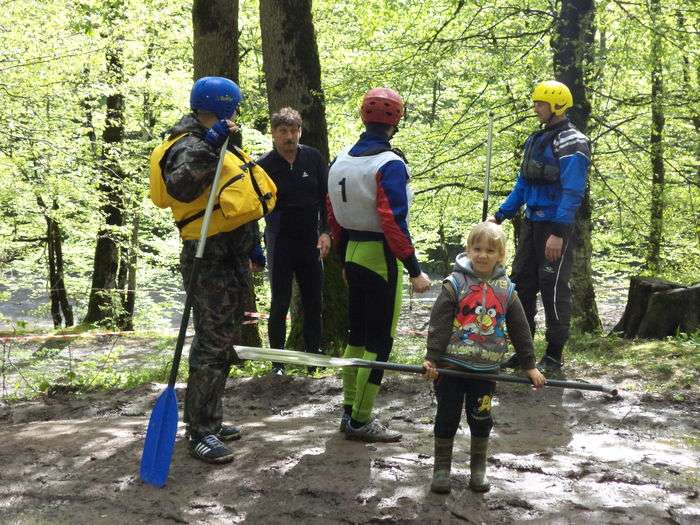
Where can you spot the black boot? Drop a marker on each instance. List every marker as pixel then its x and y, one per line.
pixel 548 365
pixel 442 466
pixel 477 465
pixel 511 362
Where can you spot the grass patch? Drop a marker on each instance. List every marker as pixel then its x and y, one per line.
pixel 93 362
pixel 662 366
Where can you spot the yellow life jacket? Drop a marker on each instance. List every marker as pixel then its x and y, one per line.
pixel 245 193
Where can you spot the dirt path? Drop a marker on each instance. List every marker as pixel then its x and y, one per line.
pixel 556 457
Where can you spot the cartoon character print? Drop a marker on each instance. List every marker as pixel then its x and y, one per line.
pixel 480 315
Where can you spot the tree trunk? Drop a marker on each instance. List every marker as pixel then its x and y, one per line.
pixel 657 309
pixel 656 141
pixel 572 47
pixel 215 25
pixel 104 304
pixel 60 306
pixel 672 312
pixel 293 78
pixel 215 49
pixel 292 67
pixel 129 288
pixel 692 86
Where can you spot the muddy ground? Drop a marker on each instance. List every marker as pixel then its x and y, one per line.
pixel 556 457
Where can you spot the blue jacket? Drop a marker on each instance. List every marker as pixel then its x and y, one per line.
pixel 561 147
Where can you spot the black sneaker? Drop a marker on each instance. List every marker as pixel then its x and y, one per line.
pixel 549 365
pixel 210 450
pixel 511 362
pixel 229 433
pixel 277 371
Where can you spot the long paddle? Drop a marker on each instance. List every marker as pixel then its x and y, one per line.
pixel 162 427
pixel 302 358
pixel 487 181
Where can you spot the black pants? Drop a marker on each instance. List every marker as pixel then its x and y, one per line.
pixel 452 393
pixel 533 273
pixel 293 259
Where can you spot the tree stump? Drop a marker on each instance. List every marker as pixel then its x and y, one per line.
pixel 656 309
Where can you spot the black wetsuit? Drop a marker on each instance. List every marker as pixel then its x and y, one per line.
pixel 291 236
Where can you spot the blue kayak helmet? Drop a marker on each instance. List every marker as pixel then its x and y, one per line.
pixel 217 95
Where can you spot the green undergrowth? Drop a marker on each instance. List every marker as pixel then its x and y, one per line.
pixel 668 366
pixel 89 362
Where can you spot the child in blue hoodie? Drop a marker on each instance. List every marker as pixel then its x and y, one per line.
pixel 471 321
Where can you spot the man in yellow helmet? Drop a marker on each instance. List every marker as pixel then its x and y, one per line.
pixel 551 184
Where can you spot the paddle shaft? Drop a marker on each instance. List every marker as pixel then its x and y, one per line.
pixel 301 358
pixel 487 181
pixel 195 267
pixel 416 369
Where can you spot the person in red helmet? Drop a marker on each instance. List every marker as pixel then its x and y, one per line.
pixel 368 204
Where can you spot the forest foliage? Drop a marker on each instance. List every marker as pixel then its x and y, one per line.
pixel 453 61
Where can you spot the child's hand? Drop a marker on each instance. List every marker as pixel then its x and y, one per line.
pixel 430 370
pixel 538 380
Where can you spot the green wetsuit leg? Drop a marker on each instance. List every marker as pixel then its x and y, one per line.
pixel 375 279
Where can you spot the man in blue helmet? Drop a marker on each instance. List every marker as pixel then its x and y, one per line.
pixel 188 161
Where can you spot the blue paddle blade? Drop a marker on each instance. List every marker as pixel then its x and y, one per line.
pixel 160 440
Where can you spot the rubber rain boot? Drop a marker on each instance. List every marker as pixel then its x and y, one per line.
pixel 442 466
pixel 477 465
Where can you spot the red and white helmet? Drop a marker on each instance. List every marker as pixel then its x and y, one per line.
pixel 381 106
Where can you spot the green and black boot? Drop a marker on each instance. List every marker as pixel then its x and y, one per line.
pixel 442 465
pixel 477 465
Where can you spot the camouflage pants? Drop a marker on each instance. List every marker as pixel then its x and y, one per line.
pixel 219 295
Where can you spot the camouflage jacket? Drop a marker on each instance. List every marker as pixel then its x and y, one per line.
pixel 190 166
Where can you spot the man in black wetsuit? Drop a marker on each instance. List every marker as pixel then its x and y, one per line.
pixel 296 232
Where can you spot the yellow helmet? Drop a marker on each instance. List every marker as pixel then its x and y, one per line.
pixel 556 93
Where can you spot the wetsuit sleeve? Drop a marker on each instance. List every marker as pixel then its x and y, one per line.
pixel 256 254
pixel 189 168
pixel 519 333
pixel 392 207
pixel 516 198
pixel 513 202
pixel 571 148
pixel 338 234
pixel 441 319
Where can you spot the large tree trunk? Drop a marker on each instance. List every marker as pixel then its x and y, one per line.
pixel 293 78
pixel 656 219
pixel 215 52
pixel 104 304
pixel 292 67
pixel 215 25
pixel 572 47
pixel 657 309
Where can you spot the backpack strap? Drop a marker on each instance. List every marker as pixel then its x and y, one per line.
pixel 247 167
pixel 457 280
